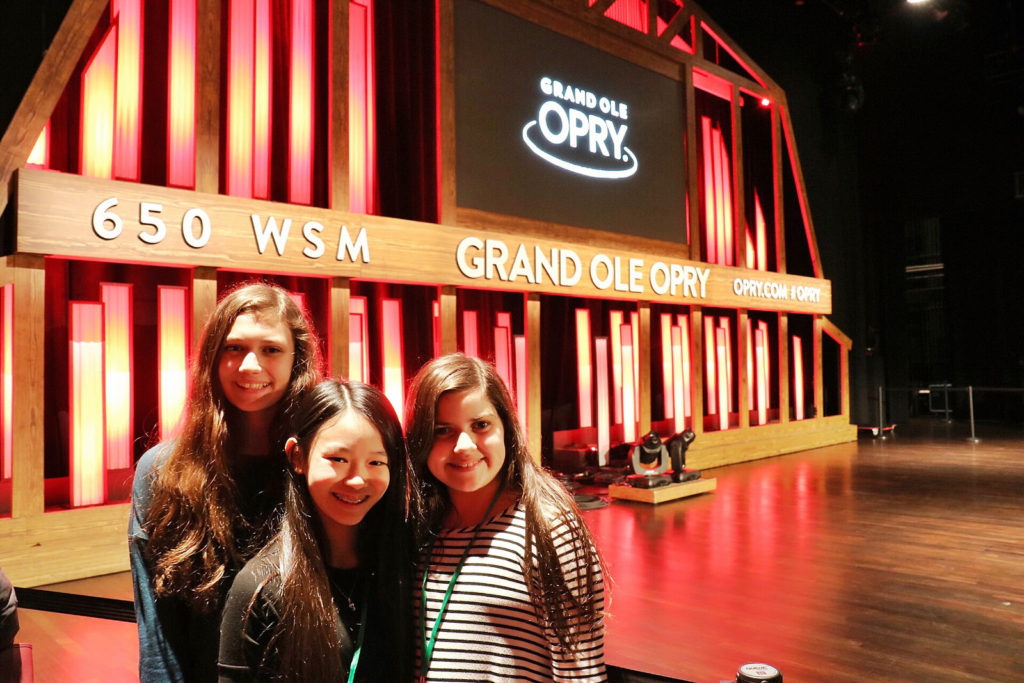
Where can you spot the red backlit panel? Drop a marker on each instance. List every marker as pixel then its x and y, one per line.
pixel 172 349
pixel 603 419
pixel 683 321
pixel 710 372
pixel 667 378
pixel 262 118
pixel 240 97
pixel 300 129
pixel 181 94
pixel 521 381
pixel 761 372
pixel 358 346
pixel 761 234
pixel 615 323
pixel 724 393
pixel 117 361
pixel 97 133
pixel 128 103
pixel 40 155
pixel 723 324
pixel 632 13
pixel 677 40
pixel 361 130
pixel 470 342
pixel 584 367
pixel 798 378
pixel 678 386
pixel 85 357
pixel 6 379
pixel 503 349
pixel 391 347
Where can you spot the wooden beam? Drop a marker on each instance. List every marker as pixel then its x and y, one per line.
pixel 819 386
pixel 338 362
pixel 446 111
pixel 208 95
pixel 46 88
pixel 204 300
pixel 783 368
pixel 681 20
pixel 697 369
pixel 29 331
pixel 339 171
pixel 644 381
pixel 741 361
pixel 533 360
pixel 600 6
pixel 449 319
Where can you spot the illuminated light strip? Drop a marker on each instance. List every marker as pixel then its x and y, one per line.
pixel 761 232
pixel 724 398
pixel 40 156
pixel 117 363
pixel 181 94
pixel 677 40
pixel 358 346
pixel 632 13
pixel 6 380
pixel 711 243
pixel 629 407
pixel 723 324
pixel 502 359
pixel 98 88
pixel 763 327
pixel 709 361
pixel 603 420
pixel 761 354
pixel 241 77
pixel 684 327
pixel 726 189
pixel 722 44
pixel 437 328
pixel 668 387
pixel 798 377
pixel 751 261
pixel 615 322
pixel 584 368
pixel 391 353
pixel 361 105
pixel 88 481
pixel 712 85
pixel 470 342
pixel 172 351
pixel 521 380
pixel 634 319
pixel 750 362
pixel 128 102
pixel 676 336
pixel 262 89
pixel 300 137
pixel 719 173
pixel 505 320
pixel 603 174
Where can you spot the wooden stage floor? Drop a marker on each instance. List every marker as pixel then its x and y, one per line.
pixel 898 560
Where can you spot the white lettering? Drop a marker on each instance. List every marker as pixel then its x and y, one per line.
pixel 521 266
pixel 309 231
pixel 264 233
pixel 473 268
pixel 635 265
pixel 495 255
pixel 564 258
pixel 361 248
pixel 601 282
pixel 187 225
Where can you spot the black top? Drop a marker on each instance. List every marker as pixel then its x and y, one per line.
pixel 8 612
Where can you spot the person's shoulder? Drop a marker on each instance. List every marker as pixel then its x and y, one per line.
pixel 146 470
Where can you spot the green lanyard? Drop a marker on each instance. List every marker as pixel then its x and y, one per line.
pixel 359 642
pixel 428 646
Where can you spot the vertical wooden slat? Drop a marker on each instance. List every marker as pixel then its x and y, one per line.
pixel 449 323
pixel 46 88
pixel 783 367
pixel 644 381
pixel 738 200
pixel 692 186
pixel 819 387
pixel 744 383
pixel 697 369
pixel 534 377
pixel 29 332
pixel 446 102
pixel 204 300
pixel 339 110
pixel 208 95
pixel 337 363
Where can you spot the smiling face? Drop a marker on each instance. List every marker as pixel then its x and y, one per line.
pixel 346 470
pixel 255 363
pixel 469 444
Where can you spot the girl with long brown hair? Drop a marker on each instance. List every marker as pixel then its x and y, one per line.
pixel 511 583
pixel 328 599
pixel 202 502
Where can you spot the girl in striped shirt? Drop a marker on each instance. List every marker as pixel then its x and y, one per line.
pixel 511 581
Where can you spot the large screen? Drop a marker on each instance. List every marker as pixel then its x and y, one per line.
pixel 551 129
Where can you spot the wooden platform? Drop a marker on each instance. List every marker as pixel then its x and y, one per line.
pixel 662 494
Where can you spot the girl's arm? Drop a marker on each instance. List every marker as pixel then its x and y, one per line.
pixel 246 624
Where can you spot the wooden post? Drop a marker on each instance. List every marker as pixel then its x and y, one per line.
pixel 204 300
pixel 338 362
pixel 339 172
pixel 741 361
pixel 783 368
pixel 533 360
pixel 449 320
pixel 208 95
pixel 644 381
pixel 697 369
pixel 29 331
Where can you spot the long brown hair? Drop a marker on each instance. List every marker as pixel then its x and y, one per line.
pixel 197 535
pixel 304 644
pixel 572 614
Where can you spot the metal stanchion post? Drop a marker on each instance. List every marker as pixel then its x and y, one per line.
pixel 970 404
pixel 881 412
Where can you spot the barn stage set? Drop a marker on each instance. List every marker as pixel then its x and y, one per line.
pixel 602 197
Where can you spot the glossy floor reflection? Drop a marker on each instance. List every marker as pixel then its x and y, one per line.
pixel 900 560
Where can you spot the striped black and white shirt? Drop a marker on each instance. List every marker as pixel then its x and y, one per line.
pixel 491 630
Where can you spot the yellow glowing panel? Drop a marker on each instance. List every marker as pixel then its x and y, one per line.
pixel 629 407
pixel 391 347
pixel 750 363
pixel 117 360
pixel 584 367
pixel 240 93
pixel 6 379
pixel 300 102
pixel 97 132
pixel 615 323
pixel 128 103
pixel 761 353
pixel 710 373
pixel 40 156
pixel 676 349
pixel 667 378
pixel 181 94
pixel 798 377
pixel 172 345
pixel 261 95
pixel 684 330
pixel 603 420
pixel 634 326
pixel 87 477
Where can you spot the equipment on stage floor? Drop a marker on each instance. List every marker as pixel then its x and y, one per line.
pixel 648 481
pixel 758 673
